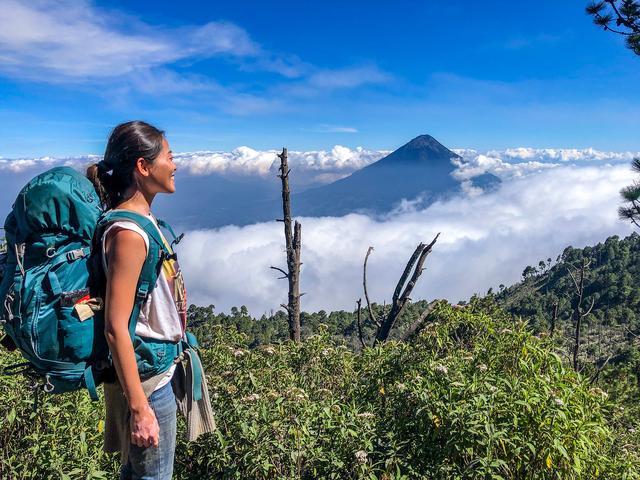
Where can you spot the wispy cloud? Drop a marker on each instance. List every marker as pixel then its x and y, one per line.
pixel 519 43
pixel 324 128
pixel 348 77
pixel 324 81
pixel 74 41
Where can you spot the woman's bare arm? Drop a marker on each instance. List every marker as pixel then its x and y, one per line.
pixel 126 252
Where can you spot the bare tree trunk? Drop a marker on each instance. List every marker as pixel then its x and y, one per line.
pixel 402 291
pixel 416 326
pixel 366 293
pixel 578 311
pixel 554 319
pixel 293 246
pixel 359 315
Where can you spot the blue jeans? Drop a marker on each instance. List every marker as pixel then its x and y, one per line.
pixel 155 463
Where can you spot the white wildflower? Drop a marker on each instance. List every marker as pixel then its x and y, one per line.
pixel 559 402
pixel 251 398
pixel 599 391
pixel 361 457
pixel 442 369
pixel 238 353
pixel 366 415
pixel 297 393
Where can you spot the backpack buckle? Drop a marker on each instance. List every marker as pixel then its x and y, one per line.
pixel 143 292
pixel 169 256
pixel 75 254
pixel 177 240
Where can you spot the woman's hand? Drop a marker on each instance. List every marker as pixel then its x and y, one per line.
pixel 144 428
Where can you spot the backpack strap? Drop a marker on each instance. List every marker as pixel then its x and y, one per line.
pixel 151 266
pixel 166 226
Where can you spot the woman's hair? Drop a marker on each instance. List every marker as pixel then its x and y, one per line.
pixel 127 143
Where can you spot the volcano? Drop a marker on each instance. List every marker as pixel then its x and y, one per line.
pixel 421 169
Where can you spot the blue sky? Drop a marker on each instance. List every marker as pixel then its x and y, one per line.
pixel 310 75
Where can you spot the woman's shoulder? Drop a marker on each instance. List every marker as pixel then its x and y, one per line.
pixel 126 234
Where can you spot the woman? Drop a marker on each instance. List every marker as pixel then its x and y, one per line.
pixel 141 413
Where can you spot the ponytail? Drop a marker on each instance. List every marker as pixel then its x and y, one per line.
pixel 127 143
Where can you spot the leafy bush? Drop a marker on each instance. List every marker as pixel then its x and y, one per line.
pixel 471 398
pixel 47 436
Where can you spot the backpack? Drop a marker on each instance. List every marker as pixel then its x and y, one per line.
pixel 53 284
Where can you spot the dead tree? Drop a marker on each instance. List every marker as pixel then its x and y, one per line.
pixel 359 320
pixel 578 310
pixel 554 319
pixel 293 245
pixel 417 325
pixel 402 292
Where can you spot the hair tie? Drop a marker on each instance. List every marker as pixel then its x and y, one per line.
pixel 103 167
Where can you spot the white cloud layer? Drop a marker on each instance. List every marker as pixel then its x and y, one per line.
pixel 517 162
pixel 242 160
pixel 486 240
pixel 20 165
pixel 341 160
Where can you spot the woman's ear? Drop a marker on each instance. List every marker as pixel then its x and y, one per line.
pixel 142 167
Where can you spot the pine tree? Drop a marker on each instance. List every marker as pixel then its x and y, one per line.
pixel 619 16
pixel 631 196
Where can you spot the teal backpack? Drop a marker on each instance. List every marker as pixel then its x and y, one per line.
pixel 53 284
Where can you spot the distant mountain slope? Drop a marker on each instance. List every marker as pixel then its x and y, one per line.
pixel 612 282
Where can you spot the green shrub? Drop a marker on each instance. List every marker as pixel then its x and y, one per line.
pixel 470 398
pixel 61 438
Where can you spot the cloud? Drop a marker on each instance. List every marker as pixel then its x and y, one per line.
pixel 240 161
pixel 75 41
pixel 340 161
pixel 126 60
pixel 517 162
pixel 20 165
pixel 122 58
pixel 324 128
pixel 245 160
pixel 563 155
pixel 486 240
pixel 321 81
pixel 348 77
pixel 541 39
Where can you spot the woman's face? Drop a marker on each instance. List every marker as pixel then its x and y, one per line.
pixel 161 177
